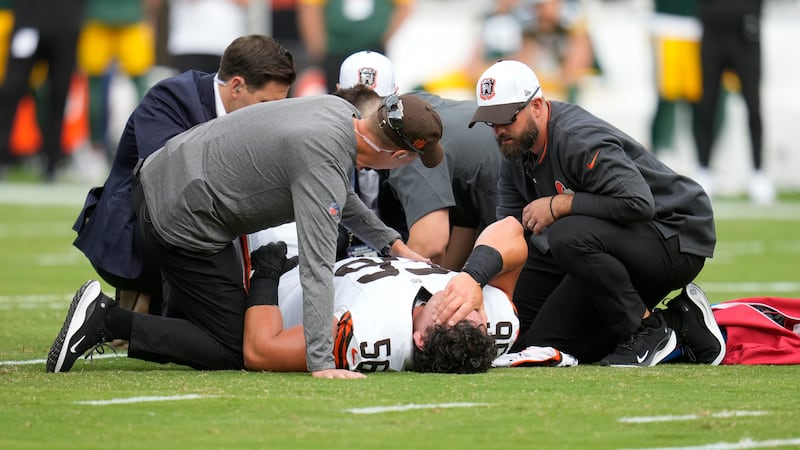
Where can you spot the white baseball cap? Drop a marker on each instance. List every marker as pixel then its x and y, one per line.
pixel 502 89
pixel 368 68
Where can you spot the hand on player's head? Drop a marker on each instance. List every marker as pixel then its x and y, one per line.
pixel 462 296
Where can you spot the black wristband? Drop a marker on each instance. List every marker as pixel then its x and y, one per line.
pixel 483 264
pixel 263 291
pixel 551 207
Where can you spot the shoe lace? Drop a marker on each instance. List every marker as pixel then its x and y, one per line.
pixel 629 343
pixel 100 348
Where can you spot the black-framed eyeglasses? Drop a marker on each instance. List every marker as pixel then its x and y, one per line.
pixel 516 112
pixel 394 118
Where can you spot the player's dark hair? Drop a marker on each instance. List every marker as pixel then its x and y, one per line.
pixel 463 348
pixel 258 59
pixel 362 97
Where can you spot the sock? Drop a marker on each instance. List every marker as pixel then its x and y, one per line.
pixel 119 321
pixel 651 321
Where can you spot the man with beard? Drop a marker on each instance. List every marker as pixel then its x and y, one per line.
pixel 611 229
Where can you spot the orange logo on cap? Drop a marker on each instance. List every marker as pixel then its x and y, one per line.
pixel 419 143
pixel 487 88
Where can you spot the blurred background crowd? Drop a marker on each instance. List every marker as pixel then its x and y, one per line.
pixel 73 70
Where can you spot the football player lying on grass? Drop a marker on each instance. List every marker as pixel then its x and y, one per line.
pixel 383 310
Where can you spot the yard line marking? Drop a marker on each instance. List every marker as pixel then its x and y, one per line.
pixel 672 418
pixel 58 194
pixel 744 443
pixel 383 409
pixel 123 401
pixel 751 286
pixel 42 361
pixel 36 301
pixel 36 298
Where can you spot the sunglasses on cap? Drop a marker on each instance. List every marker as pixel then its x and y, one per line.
pixel 394 119
pixel 516 112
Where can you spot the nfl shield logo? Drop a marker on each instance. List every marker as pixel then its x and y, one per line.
pixel 487 88
pixel 367 76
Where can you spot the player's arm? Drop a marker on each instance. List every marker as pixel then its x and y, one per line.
pixel 429 235
pixel 506 236
pixel 267 346
pixel 497 259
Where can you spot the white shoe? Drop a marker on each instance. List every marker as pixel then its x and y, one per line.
pixel 705 179
pixel 761 189
pixel 534 356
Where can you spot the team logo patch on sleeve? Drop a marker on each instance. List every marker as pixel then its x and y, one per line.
pixel 563 189
pixel 334 209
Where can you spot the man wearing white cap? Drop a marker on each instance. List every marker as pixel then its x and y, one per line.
pixel 375 71
pixel 442 209
pixel 611 229
pixel 372 69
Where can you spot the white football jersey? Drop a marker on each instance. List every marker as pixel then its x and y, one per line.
pixel 372 307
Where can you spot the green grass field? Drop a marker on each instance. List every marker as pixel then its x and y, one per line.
pixel 115 402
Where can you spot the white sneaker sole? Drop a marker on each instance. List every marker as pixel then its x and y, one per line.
pixel 698 297
pixel 75 318
pixel 672 343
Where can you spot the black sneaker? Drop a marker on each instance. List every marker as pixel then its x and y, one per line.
pixel 83 328
pixel 699 335
pixel 647 347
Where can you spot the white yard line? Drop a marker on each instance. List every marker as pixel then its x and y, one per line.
pixel 26 362
pixel 744 443
pixel 672 418
pixel 124 401
pixel 751 286
pixel 57 194
pixel 383 409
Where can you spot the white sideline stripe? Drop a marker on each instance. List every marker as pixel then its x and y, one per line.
pixel 383 409
pixel 751 286
pixel 25 362
pixel 122 401
pixel 744 443
pixel 672 418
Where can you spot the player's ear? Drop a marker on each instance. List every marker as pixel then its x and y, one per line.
pixel 418 342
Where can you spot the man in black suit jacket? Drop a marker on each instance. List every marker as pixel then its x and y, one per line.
pixel 253 69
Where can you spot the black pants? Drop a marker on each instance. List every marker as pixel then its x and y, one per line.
pixel 57 46
pixel 591 289
pixel 736 47
pixel 206 306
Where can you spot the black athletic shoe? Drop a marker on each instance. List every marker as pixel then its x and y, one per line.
pixel 647 347
pixel 699 335
pixel 83 328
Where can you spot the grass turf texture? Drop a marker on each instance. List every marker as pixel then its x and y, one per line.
pixel 578 407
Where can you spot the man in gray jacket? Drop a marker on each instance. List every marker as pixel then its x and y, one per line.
pixel 255 168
